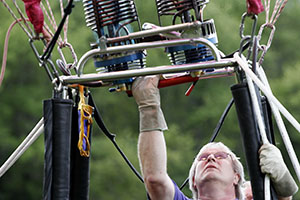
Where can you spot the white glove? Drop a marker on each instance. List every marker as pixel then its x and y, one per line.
pixel 272 163
pixel 146 94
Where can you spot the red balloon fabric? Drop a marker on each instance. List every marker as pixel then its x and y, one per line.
pixel 35 14
pixel 255 6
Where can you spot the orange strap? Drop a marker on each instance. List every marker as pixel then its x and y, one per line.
pixel 85 111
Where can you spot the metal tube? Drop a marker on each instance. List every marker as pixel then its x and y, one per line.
pixel 159 30
pixel 32 136
pixel 109 76
pixel 146 45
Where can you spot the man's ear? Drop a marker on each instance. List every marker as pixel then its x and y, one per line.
pixel 236 178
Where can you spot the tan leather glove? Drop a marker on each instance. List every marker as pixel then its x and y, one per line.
pixel 272 163
pixel 146 94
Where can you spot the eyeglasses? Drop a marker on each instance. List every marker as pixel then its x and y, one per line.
pixel 217 155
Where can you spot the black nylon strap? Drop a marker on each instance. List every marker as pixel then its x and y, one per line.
pixel 111 136
pixel 221 120
pixel 215 133
pixel 48 51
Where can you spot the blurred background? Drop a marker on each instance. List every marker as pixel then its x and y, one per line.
pixel 191 120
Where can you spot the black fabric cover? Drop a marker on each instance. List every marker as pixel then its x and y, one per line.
pixel 80 174
pixel 57 116
pixel 48 127
pixel 268 120
pixel 250 137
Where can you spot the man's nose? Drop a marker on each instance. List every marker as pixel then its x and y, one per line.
pixel 211 157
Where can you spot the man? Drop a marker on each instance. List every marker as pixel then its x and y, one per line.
pixel 216 173
pixel 216 166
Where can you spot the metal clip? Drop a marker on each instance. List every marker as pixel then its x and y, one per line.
pixel 242 25
pixel 35 51
pixel 51 72
pixel 57 84
pixel 74 56
pixel 264 48
pixel 64 63
pixel 102 43
pixel 247 38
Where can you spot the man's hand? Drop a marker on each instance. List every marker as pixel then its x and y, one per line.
pixel 146 94
pixel 272 163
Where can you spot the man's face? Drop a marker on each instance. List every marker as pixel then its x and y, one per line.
pixel 214 164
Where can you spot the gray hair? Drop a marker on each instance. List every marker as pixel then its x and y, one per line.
pixel 237 167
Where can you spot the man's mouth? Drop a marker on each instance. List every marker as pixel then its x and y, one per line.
pixel 208 167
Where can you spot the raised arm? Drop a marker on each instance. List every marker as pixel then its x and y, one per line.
pixel 151 145
pixel 272 163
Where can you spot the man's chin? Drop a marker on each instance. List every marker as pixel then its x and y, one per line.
pixel 211 174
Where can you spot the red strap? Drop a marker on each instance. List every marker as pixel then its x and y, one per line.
pixel 255 6
pixel 35 14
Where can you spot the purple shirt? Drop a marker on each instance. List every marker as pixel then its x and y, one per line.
pixel 178 194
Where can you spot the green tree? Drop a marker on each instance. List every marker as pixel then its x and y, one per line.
pixel 191 120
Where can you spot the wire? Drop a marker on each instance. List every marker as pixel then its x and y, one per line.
pixel 216 131
pixel 50 47
pixel 270 23
pixel 5 49
pixel 111 137
pixel 221 120
pixel 30 35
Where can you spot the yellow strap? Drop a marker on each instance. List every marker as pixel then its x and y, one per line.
pixel 85 114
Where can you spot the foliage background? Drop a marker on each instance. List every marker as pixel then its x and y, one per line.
pixel 191 119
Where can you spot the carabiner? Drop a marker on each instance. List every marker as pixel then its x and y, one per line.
pixel 264 48
pixel 242 25
pixel 73 54
pixel 260 32
pixel 247 38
